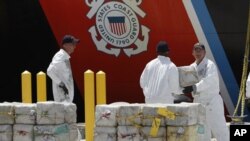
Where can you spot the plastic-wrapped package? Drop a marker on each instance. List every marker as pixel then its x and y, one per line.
pixel 23 132
pixel 51 132
pixel 155 139
pixel 74 133
pixel 70 112
pixel 183 114
pixel 6 133
pixel 129 115
pixel 146 132
pixel 187 76
pixel 50 113
pixel 105 134
pixel 7 113
pixel 106 115
pixel 25 113
pixel 186 133
pixel 150 114
pixel 128 133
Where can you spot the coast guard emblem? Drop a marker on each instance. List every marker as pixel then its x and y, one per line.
pixel 117 27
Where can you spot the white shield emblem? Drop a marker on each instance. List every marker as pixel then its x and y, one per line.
pixel 118 26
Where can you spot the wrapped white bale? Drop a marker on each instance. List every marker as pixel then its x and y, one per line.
pixel 201 118
pixel 105 115
pixel 105 137
pixel 155 139
pixel 105 134
pixel 187 76
pixel 70 112
pixel 149 113
pixel 7 113
pixel 25 113
pixel 6 132
pixel 51 133
pixel 13 103
pixel 50 113
pixel 128 133
pixel 183 114
pixel 105 130
pixel 129 115
pixel 146 132
pixel 186 133
pixel 81 129
pixel 23 132
pixel 74 133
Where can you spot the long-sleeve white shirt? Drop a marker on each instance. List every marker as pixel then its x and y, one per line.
pixel 159 80
pixel 59 71
pixel 208 85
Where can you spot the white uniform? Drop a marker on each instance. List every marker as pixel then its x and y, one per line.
pixel 59 71
pixel 248 86
pixel 159 80
pixel 207 93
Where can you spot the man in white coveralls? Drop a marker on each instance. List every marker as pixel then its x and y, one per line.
pixel 206 92
pixel 60 72
pixel 160 78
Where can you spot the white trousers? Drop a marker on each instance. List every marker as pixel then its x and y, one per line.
pixel 215 118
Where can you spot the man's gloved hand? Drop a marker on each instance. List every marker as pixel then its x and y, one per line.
pixel 62 85
pixel 187 89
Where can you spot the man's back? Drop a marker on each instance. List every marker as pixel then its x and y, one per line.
pixel 159 80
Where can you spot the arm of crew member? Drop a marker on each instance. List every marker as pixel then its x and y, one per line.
pixel 143 78
pixel 174 83
pixel 53 72
pixel 210 80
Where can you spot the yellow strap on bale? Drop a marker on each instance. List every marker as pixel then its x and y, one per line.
pixel 155 127
pixel 166 113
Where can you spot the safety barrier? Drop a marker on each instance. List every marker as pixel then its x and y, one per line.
pixel 89 94
pixel 27 87
pixel 41 86
pixel 89 97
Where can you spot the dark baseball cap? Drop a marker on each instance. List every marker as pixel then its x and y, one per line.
pixel 162 47
pixel 70 39
pixel 199 45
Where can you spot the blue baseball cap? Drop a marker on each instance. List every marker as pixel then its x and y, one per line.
pixel 162 47
pixel 70 39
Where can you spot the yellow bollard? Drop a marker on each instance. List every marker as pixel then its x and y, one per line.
pixel 101 87
pixel 41 87
pixel 89 99
pixel 26 87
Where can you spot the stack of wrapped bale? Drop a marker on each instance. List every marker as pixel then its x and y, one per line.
pixel 106 123
pixel 55 121
pixel 153 124
pixel 185 122
pixel 129 122
pixel 7 118
pixel 150 122
pixel 25 119
pixel 42 121
pixel 71 120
